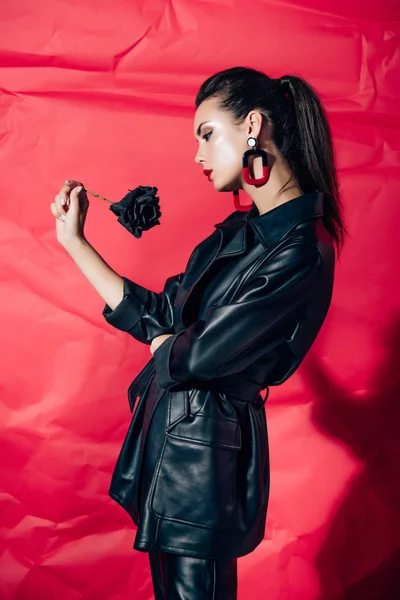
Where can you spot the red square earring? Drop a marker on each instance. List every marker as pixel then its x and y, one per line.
pixel 245 161
pixel 251 141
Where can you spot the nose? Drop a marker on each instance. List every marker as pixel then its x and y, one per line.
pixel 198 158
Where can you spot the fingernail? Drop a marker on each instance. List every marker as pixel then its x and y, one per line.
pixel 62 200
pixel 78 189
pixel 62 217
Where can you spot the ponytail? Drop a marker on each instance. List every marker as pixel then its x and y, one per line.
pixel 304 140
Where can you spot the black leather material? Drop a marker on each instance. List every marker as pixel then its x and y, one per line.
pixel 193 471
pixel 177 577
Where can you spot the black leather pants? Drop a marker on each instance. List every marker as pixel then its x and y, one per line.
pixel 177 577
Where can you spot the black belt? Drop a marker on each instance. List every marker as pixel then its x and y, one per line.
pixel 238 387
pixel 140 382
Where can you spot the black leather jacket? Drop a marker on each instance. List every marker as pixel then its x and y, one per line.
pixel 193 471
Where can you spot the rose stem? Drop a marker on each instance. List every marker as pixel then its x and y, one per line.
pixel 98 196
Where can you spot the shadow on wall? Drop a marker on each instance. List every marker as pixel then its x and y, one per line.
pixel 367 523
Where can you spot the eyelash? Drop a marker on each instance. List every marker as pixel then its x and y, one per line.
pixel 207 134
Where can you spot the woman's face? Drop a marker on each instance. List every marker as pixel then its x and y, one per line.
pixel 221 145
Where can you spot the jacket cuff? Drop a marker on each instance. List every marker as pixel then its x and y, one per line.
pixel 162 356
pixel 129 311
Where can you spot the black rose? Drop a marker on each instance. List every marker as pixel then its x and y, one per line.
pixel 139 210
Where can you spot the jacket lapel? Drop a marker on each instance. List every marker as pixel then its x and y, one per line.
pixel 236 231
pixel 231 236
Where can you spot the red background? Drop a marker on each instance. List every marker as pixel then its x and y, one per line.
pixel 104 93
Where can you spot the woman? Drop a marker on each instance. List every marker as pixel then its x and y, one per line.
pixel 193 471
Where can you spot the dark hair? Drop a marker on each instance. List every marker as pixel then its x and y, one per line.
pixel 300 129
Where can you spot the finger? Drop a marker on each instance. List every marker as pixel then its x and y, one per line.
pixel 74 200
pixel 59 206
pixel 69 184
pixel 54 211
pixel 72 181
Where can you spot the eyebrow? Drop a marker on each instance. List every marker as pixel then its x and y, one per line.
pixel 200 126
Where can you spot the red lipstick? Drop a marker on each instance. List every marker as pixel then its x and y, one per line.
pixel 207 173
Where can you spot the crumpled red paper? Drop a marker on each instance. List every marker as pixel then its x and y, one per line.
pixel 104 93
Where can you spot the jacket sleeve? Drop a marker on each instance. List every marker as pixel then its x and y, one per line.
pixel 233 336
pixel 142 313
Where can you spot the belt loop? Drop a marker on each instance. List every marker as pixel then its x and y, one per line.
pixel 260 401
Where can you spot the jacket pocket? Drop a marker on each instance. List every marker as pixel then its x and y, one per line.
pixel 195 476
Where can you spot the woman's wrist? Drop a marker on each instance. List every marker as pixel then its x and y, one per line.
pixel 74 246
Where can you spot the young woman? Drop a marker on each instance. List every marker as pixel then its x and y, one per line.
pixel 193 471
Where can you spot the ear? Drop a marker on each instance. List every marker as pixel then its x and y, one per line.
pixel 255 122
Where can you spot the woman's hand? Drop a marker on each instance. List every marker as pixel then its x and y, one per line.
pixel 158 341
pixel 70 208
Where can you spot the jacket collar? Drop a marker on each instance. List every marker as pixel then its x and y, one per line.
pixel 272 225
